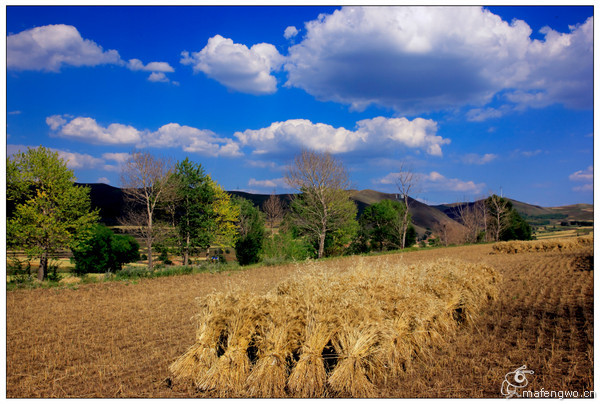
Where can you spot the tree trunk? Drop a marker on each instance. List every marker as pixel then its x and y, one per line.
pixel 43 268
pixel 149 250
pixel 321 244
pixel 186 251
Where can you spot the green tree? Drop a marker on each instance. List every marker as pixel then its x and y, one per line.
pixel 251 225
pixel 383 223
pixel 323 205
pixel 226 214
pixel 505 222
pixel 104 251
pixel 49 209
pixel 195 219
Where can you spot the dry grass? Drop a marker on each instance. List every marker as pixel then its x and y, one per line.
pixel 565 244
pixel 361 306
pixel 119 339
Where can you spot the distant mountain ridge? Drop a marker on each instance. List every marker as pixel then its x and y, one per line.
pixel 111 202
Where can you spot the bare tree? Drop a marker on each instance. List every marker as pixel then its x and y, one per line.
pixel 406 182
pixel 273 209
pixel 323 204
pixel 498 212
pixel 473 218
pixel 146 182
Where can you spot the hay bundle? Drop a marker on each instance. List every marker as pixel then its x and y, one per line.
pixel 566 244
pixel 277 339
pixel 308 377
pixel 358 365
pixel 332 331
pixel 229 372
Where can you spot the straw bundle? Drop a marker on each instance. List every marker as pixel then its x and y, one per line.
pixel 358 364
pixel 567 244
pixel 332 331
pixel 308 377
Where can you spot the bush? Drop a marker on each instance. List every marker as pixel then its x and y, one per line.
pixel 104 251
pixel 252 233
pixel 284 247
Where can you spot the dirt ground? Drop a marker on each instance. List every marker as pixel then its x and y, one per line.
pixel 118 339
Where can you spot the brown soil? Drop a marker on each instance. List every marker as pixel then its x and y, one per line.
pixel 118 339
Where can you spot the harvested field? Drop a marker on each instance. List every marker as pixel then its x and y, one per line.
pixel 119 339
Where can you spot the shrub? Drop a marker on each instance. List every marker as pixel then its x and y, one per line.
pixel 251 233
pixel 283 247
pixel 104 251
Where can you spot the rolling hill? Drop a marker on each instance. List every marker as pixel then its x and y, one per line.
pixel 111 203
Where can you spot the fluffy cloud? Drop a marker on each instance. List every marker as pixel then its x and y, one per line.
pixel 189 139
pixel 417 59
pixel 158 69
pixel 89 131
pixel 80 161
pixel 52 46
pixel 290 32
pixel 586 176
pixel 237 67
pixel 273 183
pixel 435 181
pixel 193 140
pixel 136 64
pixel 118 157
pixel 73 160
pixel 583 175
pixel 476 159
pixel 370 134
pixel 158 77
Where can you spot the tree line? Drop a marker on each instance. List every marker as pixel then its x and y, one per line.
pixel 177 209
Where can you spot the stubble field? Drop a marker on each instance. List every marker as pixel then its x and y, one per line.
pixel 118 339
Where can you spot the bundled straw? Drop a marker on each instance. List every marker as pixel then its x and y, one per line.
pixel 331 331
pixel 564 244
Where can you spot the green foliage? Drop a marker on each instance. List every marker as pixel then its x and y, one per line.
pixel 50 211
pixel 195 218
pixel 512 225
pixel 284 247
pixel 104 251
pixel 251 232
pixel 518 228
pixel 382 225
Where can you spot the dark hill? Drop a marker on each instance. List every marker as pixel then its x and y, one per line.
pixel 111 202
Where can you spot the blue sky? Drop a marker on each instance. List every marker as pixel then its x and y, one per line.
pixel 475 100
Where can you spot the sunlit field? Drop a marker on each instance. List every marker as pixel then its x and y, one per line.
pixel 125 339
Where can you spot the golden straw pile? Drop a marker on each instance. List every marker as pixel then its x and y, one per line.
pixel 331 332
pixel 565 244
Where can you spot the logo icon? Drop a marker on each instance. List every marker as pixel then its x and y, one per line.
pixel 515 381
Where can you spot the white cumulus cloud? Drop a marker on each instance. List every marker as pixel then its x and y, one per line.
pixel 51 47
pixel 237 67
pixel 417 59
pixel 434 181
pixel 136 64
pixel 88 130
pixel 370 134
pixel 158 77
pixel 290 32
pixel 190 139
